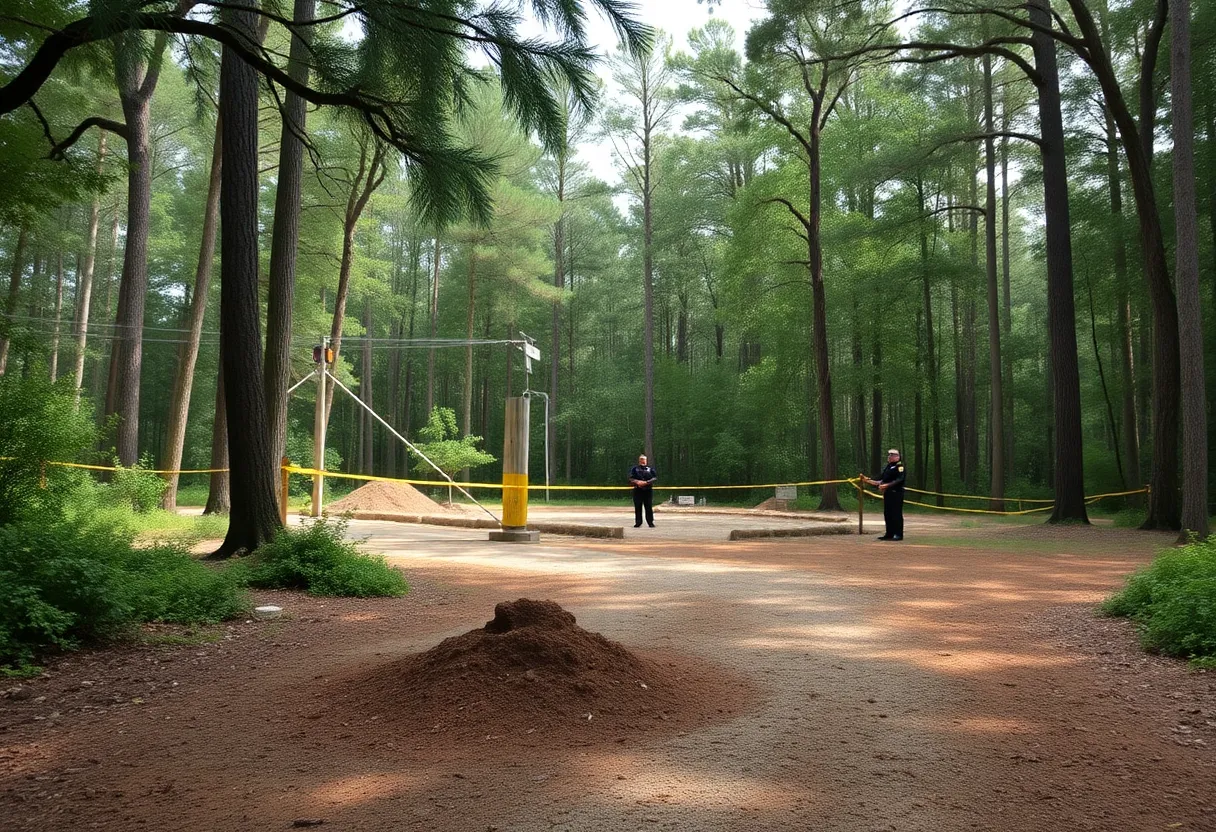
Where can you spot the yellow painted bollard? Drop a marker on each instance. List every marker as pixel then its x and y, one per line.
pixel 515 476
pixel 861 505
pixel 283 481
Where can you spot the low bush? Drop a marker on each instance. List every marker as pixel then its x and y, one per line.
pixel 1129 518
pixel 137 486
pixel 64 586
pixel 317 557
pixel 1173 601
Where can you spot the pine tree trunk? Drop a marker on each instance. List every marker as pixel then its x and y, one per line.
pixel 648 294
pixel 996 431
pixel 434 311
pixel 219 495
pixel 1007 316
pixel 136 83
pixel 876 455
pixel 1131 434
pixel 1069 475
pixel 16 269
pixel 183 385
pixel 559 282
pixel 254 520
pixel 365 392
pixel 819 320
pixel 285 237
pixel 84 280
pixel 1186 274
pixel 931 350
pixel 105 314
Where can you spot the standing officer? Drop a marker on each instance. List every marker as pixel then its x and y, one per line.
pixel 642 477
pixel 891 483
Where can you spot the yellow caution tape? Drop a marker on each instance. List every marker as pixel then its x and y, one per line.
pixel 146 470
pixel 1088 501
pixel 976 496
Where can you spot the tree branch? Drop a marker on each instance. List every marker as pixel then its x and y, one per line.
pixel 59 150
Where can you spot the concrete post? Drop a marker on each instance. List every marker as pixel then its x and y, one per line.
pixel 318 443
pixel 515 476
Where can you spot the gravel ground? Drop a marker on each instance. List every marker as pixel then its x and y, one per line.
pixel 953 684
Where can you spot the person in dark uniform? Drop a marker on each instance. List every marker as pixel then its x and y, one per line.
pixel 642 477
pixel 891 483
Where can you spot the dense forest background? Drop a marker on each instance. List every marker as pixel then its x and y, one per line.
pixel 831 241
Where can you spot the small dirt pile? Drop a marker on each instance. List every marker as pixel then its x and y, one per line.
pixel 389 497
pixel 532 674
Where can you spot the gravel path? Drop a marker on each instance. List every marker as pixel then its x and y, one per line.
pixel 955 684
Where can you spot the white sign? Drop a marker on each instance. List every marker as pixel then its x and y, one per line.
pixel 532 352
pixel 686 501
pixel 787 492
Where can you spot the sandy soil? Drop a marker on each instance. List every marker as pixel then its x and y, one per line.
pixel 957 681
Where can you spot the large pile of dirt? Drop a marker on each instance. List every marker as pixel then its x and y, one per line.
pixel 533 674
pixel 394 497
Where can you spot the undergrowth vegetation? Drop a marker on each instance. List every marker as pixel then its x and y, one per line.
pixel 84 562
pixel 317 557
pixel 1173 602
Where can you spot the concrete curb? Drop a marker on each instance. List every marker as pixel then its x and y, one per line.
pixel 571 529
pixel 803 531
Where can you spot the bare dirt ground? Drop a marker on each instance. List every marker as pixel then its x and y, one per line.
pixel 956 681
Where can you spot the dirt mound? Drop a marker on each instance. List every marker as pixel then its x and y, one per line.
pixel 532 674
pixel 398 497
pixel 773 504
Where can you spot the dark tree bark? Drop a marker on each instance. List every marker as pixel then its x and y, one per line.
pixel 876 455
pixel 219 495
pixel 254 482
pixel 183 385
pixel 1069 476
pixel 1164 511
pixel 433 305
pixel 1007 308
pixel 930 347
pixel 84 280
pixel 58 316
pixel 1131 433
pixel 1186 272
pixel 996 432
pixel 136 81
pixel 285 238
pixel 559 282
pixel 16 269
pixel 365 391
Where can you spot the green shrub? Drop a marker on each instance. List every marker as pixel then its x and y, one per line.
pixel 1129 518
pixel 39 422
pixel 1173 601
pixel 59 587
pixel 317 557
pixel 137 486
pixel 62 586
pixel 164 583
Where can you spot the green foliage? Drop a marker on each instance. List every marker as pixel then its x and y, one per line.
pixel 64 586
pixel 1129 518
pixel 1173 601
pixel 137 486
pixel 164 583
pixel 39 422
pixel 319 559
pixel 443 447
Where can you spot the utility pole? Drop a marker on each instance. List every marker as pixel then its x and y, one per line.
pixel 322 355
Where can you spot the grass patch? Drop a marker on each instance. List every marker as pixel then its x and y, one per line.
pixel 1173 602
pixel 317 558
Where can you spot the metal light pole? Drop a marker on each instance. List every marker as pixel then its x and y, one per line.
pixel 545 396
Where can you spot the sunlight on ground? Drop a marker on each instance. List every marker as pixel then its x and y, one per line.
pixel 651 781
pixel 360 788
